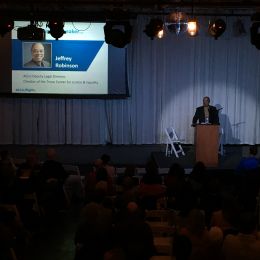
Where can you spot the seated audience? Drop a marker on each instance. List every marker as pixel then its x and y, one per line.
pixel 246 244
pixel 53 176
pixel 151 188
pixel 227 217
pixel 8 188
pixel 134 235
pixel 95 177
pixel 29 173
pixel 111 171
pixel 201 240
pixel 179 190
pixel 93 235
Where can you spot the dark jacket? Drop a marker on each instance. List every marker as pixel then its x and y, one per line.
pixel 199 115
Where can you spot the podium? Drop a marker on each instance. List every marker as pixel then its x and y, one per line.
pixel 207 144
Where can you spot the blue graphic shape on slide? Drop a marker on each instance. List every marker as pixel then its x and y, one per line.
pixel 62 55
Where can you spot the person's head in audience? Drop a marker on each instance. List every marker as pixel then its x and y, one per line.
pixel 51 154
pixel 198 171
pixel 177 170
pixel 152 174
pixel 253 150
pixel 133 211
pixel 32 158
pixel 216 236
pixel 98 163
pixel 151 168
pixel 130 170
pixel 105 159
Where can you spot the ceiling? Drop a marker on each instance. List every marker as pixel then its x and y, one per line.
pixel 120 9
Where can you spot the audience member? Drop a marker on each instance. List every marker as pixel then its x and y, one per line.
pixel 195 229
pixel 151 188
pixel 245 245
pixel 134 235
pixel 53 176
pixel 179 190
pixel 111 171
pixel 93 235
pixel 227 217
pixel 8 192
pixel 251 162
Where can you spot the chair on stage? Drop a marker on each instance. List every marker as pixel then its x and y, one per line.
pixel 173 144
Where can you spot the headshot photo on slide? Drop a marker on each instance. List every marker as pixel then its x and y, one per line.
pixel 37 55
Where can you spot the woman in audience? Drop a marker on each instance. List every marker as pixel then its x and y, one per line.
pixel 151 188
pixel 134 235
pixel 98 174
pixel 179 190
pixel 94 233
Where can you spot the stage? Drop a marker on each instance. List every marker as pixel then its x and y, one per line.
pixel 230 159
pixel 122 155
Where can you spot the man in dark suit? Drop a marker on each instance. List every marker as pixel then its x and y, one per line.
pixel 206 114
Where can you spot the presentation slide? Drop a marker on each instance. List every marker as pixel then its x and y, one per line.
pixel 77 63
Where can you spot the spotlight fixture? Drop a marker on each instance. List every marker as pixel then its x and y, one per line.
pixel 118 33
pixel 6 25
pixel 176 22
pixel 154 28
pixel 192 27
pixel 217 28
pixel 255 30
pixel 31 32
pixel 56 28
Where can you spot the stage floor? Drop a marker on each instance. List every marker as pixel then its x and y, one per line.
pixel 121 155
pixel 230 159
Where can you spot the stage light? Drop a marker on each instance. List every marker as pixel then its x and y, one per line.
pixel 217 28
pixel 6 25
pixel 255 30
pixel 56 28
pixel 192 28
pixel 154 28
pixel 31 32
pixel 118 33
pixel 176 22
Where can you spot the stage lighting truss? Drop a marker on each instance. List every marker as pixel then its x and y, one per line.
pixel 6 25
pixel 56 28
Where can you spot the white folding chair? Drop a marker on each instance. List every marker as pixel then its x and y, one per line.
pixel 173 143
